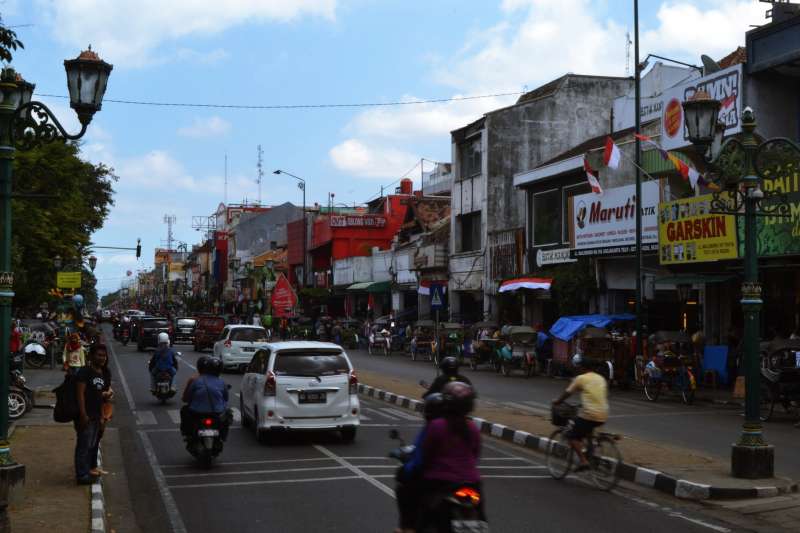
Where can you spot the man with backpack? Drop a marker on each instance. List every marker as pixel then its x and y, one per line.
pixel 164 360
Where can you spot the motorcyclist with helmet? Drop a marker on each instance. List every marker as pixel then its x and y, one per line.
pixel 164 359
pixel 449 373
pixel 206 394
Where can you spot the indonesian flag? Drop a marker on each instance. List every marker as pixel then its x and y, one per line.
pixel 591 177
pixel 611 155
pixel 512 285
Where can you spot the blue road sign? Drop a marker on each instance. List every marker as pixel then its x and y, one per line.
pixel 437 297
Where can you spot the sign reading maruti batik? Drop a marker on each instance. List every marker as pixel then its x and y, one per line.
pixel 606 224
pixel 690 233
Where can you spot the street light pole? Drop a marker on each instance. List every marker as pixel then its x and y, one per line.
pixel 638 155
pixel 302 186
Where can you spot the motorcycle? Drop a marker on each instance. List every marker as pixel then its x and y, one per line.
pixel 204 441
pixel 164 389
pixel 125 335
pixel 20 396
pixel 35 354
pixel 380 342
pixel 455 511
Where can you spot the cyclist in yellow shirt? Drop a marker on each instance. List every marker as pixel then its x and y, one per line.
pixel 594 406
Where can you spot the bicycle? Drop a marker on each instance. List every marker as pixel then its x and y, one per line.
pixel 600 449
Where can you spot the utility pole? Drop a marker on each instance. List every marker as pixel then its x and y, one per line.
pixel 638 148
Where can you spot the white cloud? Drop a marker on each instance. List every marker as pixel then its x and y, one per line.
pixel 206 127
pixel 128 32
pixel 155 171
pixel 359 159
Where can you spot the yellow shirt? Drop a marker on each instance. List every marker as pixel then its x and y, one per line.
pixel 594 396
pixel 75 358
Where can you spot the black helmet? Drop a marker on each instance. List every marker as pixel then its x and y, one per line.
pixel 203 364
pixel 434 406
pixel 214 366
pixel 459 398
pixel 449 366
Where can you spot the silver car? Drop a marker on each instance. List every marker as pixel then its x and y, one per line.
pixel 237 343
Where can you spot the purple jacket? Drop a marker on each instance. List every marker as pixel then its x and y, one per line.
pixel 447 456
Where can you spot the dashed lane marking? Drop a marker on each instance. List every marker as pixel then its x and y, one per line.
pixel 357 471
pixel 265 482
pixel 175 416
pixel 253 472
pixel 146 418
pixel 244 463
pixel 380 413
pixel 166 496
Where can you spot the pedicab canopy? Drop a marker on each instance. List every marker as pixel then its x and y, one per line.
pixel 511 285
pixel 568 326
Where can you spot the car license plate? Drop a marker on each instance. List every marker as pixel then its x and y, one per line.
pixel 207 433
pixel 248 349
pixel 312 397
pixel 469 526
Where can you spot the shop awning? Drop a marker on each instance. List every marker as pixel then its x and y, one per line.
pixel 511 285
pixel 691 279
pixel 370 286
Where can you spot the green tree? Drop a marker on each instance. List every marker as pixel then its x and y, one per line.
pixel 8 42
pixel 81 195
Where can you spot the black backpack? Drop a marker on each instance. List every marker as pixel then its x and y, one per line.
pixel 66 409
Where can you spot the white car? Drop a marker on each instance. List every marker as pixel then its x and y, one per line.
pixel 300 385
pixel 237 343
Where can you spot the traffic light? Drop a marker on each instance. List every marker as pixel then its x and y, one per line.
pixel 138 248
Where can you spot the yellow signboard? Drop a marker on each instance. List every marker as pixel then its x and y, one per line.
pixel 176 267
pixel 689 233
pixel 68 280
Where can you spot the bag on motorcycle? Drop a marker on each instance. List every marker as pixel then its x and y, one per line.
pixel 66 409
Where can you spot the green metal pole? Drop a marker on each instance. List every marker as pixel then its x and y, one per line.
pixel 638 147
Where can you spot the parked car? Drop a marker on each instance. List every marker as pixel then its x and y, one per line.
pixel 136 321
pixel 148 330
pixel 207 331
pixel 237 343
pixel 300 385
pixel 184 330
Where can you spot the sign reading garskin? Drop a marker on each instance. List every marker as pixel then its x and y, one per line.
pixel 357 221
pixel 606 224
pixel 689 233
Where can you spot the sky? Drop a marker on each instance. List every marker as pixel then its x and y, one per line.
pixel 170 160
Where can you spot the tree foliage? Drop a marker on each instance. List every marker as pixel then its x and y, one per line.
pixel 8 42
pixel 573 286
pixel 61 225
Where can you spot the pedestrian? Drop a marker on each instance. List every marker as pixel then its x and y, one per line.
pixel 74 354
pixel 266 321
pixel 93 388
pixel 256 319
pixel 15 341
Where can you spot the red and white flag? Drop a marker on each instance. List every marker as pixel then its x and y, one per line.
pixel 611 155
pixel 591 177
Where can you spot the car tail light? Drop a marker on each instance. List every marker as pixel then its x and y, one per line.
pixel 270 384
pixel 353 382
pixel 207 422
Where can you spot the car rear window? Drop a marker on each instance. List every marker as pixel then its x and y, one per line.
pixel 155 323
pixel 186 322
pixel 249 334
pixel 211 323
pixel 309 363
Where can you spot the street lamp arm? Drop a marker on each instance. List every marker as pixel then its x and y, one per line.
pixel 35 124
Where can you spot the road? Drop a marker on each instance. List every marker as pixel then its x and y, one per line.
pixel 315 482
pixel 703 426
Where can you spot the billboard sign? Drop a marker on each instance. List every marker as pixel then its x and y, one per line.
pixel 689 233
pixel 68 280
pixel 357 221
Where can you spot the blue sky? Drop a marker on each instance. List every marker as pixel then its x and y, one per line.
pixel 171 159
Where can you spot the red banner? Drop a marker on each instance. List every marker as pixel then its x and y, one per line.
pixel 283 298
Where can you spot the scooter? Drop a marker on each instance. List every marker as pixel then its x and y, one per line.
pixel 456 510
pixel 20 396
pixel 205 440
pixel 164 389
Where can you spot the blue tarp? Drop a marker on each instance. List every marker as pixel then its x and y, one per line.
pixel 568 326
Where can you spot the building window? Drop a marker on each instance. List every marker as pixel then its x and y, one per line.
pixel 546 223
pixel 567 193
pixel 470 154
pixel 470 232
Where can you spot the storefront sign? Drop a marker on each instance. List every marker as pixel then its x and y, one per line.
pixel 357 221
pixel 283 298
pixel 606 224
pixel 689 233
pixel 553 257
pixel 779 235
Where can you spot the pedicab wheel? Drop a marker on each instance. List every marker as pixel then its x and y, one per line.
pixel 504 369
pixel 560 455
pixel 652 389
pixel 687 395
pixel 605 462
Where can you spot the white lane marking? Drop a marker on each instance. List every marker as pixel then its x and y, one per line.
pixel 253 472
pixel 672 513
pixel 268 482
pixel 187 363
pixel 401 414
pixel 379 413
pixel 175 416
pixel 166 496
pixel 675 413
pixel 534 410
pixel 489 476
pixel 122 379
pixel 239 463
pixel 237 415
pixel 362 416
pixel 145 418
pixel 354 469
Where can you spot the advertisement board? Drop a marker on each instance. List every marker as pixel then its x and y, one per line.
pixel 606 224
pixel 68 280
pixel 284 299
pixel 779 235
pixel 689 233
pixel 357 221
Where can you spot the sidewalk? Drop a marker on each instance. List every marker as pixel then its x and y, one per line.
pixel 684 472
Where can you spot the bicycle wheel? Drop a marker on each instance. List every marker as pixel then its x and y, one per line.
pixel 652 388
pixel 560 456
pixel 605 463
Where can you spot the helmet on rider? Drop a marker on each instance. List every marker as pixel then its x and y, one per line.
pixel 214 366
pixel 449 366
pixel 203 365
pixel 459 398
pixel 163 338
pixel 434 406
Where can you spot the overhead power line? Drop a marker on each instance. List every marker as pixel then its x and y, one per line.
pixel 296 106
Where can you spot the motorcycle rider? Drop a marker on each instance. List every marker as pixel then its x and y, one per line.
pixel 449 368
pixel 205 394
pixel 164 360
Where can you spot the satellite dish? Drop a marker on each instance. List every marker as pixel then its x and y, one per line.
pixel 709 65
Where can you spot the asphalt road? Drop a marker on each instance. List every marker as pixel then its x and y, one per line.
pixel 314 482
pixel 703 426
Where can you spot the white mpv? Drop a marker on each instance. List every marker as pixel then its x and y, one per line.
pixel 300 385
pixel 237 343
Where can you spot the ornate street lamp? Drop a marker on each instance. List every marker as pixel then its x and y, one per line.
pixel 92 262
pixel 25 124
pixel 740 164
pixel 302 186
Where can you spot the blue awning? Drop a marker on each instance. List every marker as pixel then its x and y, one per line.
pixel 568 326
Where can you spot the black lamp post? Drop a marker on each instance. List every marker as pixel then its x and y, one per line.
pixel 302 186
pixel 740 164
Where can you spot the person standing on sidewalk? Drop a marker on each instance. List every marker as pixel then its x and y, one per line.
pixel 93 388
pixel 74 354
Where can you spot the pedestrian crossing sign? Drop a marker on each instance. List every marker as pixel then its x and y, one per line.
pixel 437 297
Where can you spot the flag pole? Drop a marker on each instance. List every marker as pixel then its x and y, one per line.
pixel 638 125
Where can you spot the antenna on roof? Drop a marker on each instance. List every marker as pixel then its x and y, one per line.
pixel 225 200
pixel 628 44
pixel 260 172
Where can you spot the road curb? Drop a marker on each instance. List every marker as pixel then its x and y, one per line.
pixel 646 477
pixel 98 504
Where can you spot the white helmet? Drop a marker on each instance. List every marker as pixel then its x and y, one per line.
pixel 163 338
